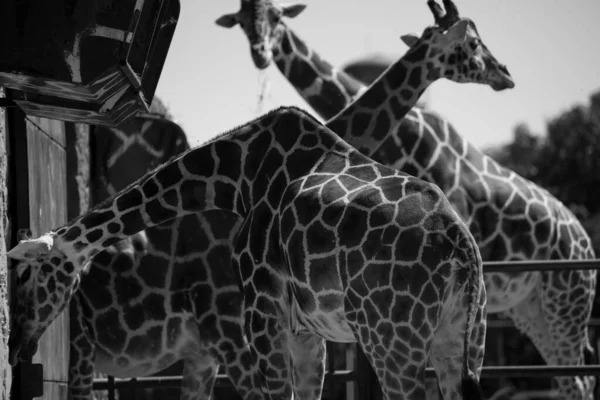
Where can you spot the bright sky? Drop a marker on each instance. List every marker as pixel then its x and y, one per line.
pixel 551 49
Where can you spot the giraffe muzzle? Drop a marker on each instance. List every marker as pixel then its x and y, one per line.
pixel 500 78
pixel 20 348
pixel 261 56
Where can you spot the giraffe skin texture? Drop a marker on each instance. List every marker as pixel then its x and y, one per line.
pixel 175 275
pixel 510 217
pixel 333 245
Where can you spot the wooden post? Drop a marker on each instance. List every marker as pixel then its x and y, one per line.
pixel 367 384
pixel 50 180
pixel 5 369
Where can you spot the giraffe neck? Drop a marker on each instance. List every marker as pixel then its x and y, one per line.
pixel 326 89
pixel 421 133
pixel 234 172
pixel 369 119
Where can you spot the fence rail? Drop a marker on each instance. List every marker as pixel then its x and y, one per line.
pixel 524 371
pixel 538 265
pixel 488 372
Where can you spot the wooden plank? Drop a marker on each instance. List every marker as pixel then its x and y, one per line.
pixel 55 391
pixel 47 205
pixel 50 127
pixel 5 369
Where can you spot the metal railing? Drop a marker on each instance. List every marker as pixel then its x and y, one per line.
pixel 491 372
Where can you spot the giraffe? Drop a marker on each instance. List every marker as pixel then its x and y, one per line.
pixel 326 89
pixel 510 217
pixel 182 263
pixel 332 246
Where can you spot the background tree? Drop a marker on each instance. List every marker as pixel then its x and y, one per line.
pixel 566 160
pixel 158 107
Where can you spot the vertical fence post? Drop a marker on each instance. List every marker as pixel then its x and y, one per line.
pixel 111 387
pixel 367 384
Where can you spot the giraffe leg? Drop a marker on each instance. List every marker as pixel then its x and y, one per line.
pixel 448 348
pixel 567 322
pixel 237 361
pixel 81 360
pixel 199 376
pixel 269 345
pixel 477 341
pixel 308 354
pixel 559 332
pixel 397 353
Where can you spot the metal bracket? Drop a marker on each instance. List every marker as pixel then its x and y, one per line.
pixel 32 380
pixel 130 75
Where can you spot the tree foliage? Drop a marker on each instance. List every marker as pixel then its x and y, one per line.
pixel 159 108
pixel 565 160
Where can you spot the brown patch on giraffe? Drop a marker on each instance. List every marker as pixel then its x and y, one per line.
pixel 155 209
pixel 350 229
pixel 114 339
pixel 329 302
pixel 128 200
pixel 350 183
pixel 365 172
pixel 316 180
pixel 309 140
pixel 321 275
pixel 42 295
pixel 396 76
pixel 319 238
pixel 72 234
pixel 134 316
pixel 409 244
pixel 44 312
pixel 154 304
pixel 96 219
pixel 382 126
pixel 374 97
pixel 399 110
pixel 360 122
pixel 62 278
pixel 391 191
pixel 286 45
pixel 332 215
pixel 110 241
pixel 301 76
pixel 94 236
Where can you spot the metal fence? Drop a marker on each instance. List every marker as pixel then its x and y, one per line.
pixel 111 384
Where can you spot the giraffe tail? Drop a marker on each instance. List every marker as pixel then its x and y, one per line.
pixel 471 389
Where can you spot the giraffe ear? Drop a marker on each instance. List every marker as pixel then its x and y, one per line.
pixel 458 31
pixel 410 39
pixel 30 250
pixel 227 20
pixel 292 10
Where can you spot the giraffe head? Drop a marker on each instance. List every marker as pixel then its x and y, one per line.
pixel 259 19
pixel 454 50
pixel 46 280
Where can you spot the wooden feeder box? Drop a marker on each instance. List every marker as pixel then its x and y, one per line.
pixel 89 61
